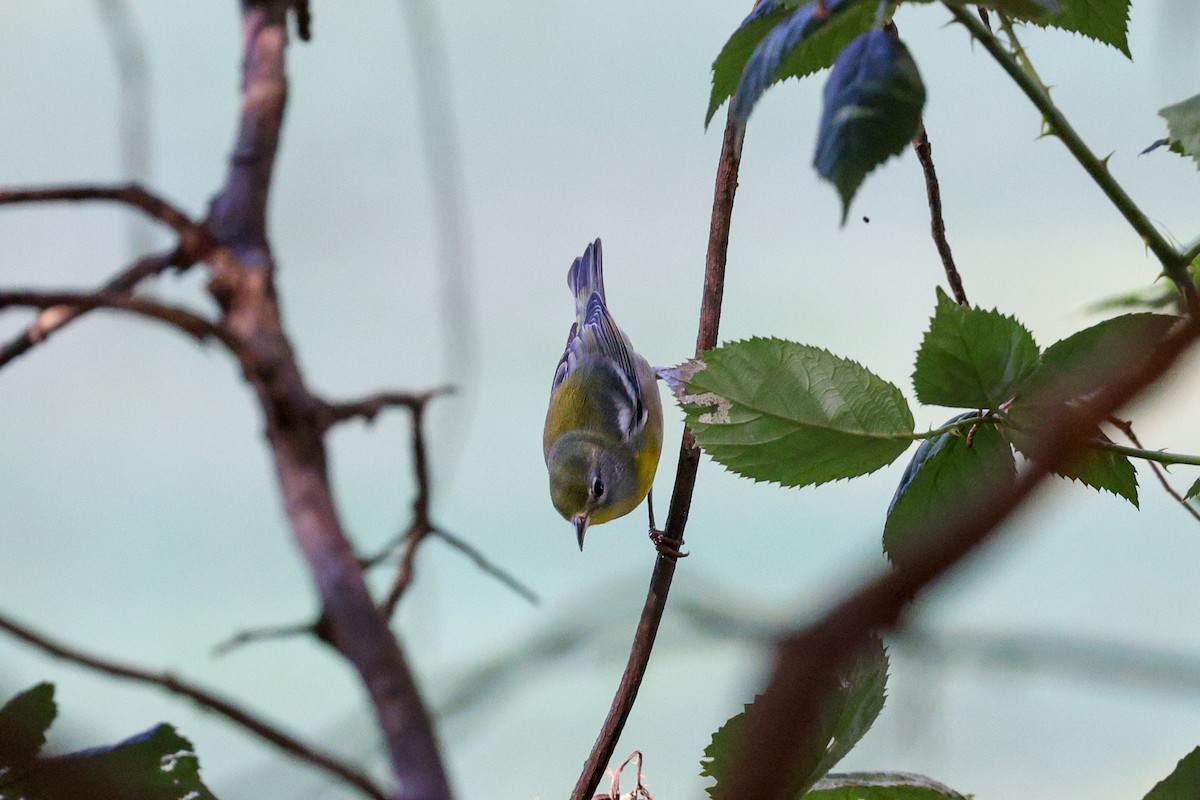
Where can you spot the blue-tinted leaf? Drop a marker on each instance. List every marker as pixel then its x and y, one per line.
pixel 872 110
pixel 947 473
pixel 800 43
pixel 731 61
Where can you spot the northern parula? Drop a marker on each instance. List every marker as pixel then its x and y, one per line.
pixel 604 429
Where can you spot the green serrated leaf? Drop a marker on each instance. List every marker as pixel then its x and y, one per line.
pixel 1070 372
pixel 1193 492
pixel 949 473
pixel 848 712
pixel 23 724
pixel 156 765
pixel 972 358
pixel 1029 10
pixel 779 411
pixel 871 111
pixel 881 786
pixel 1182 784
pixel 1106 21
pixel 1183 125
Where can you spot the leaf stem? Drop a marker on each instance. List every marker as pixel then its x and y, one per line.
pixel 1157 456
pixel 990 418
pixel 1173 261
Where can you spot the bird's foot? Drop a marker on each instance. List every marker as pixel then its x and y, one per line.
pixel 665 545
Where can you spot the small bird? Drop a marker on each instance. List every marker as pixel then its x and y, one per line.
pixel 604 429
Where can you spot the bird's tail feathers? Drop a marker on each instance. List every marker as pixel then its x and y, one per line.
pixel 586 277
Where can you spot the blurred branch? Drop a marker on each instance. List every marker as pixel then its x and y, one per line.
pixel 133 80
pixel 685 473
pixel 53 319
pixel 455 254
pixel 933 191
pixel 782 721
pixel 202 697
pixel 193 235
pixel 370 407
pixel 1126 427
pixel 193 325
pixel 485 565
pixel 243 284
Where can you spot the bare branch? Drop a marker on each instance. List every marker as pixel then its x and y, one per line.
pixel 243 284
pixel 685 474
pixel 1126 427
pixel 421 526
pixel 193 236
pixel 54 319
pixel 202 697
pixel 486 565
pixel 192 324
pixel 782 721
pixel 255 635
pixel 937 225
pixel 370 407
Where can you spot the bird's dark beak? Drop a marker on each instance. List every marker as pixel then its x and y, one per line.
pixel 581 524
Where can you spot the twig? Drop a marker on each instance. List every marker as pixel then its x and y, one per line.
pixel 370 407
pixel 420 526
pixel 243 284
pixel 194 237
pixel 781 723
pixel 458 318
pixel 485 565
pixel 264 634
pixel 685 474
pixel 205 699
pixel 192 324
pixel 1173 262
pixel 55 319
pixel 1126 427
pixel 937 225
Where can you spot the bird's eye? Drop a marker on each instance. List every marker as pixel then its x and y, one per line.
pixel 598 489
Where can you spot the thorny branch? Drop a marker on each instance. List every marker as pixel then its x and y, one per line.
pixel 685 473
pixel 1126 427
pixel 202 697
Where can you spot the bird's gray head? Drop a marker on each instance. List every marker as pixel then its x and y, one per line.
pixel 588 483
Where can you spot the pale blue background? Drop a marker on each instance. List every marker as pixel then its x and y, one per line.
pixel 138 503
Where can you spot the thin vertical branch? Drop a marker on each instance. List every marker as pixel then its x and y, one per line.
pixel 133 90
pixel 937 225
pixel 685 473
pixel 456 257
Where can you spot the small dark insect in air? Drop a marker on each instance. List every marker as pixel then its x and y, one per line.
pixel 867 219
